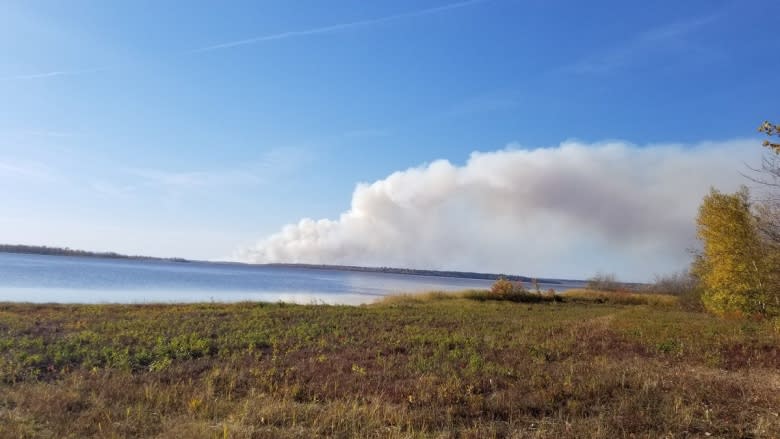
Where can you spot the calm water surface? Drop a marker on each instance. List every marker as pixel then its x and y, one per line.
pixel 71 279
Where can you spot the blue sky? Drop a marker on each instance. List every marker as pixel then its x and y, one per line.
pixel 147 127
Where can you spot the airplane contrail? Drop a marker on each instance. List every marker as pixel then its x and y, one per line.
pixel 336 27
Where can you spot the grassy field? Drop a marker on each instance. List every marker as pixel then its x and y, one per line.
pixel 430 366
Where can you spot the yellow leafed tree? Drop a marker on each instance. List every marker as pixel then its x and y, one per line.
pixel 732 266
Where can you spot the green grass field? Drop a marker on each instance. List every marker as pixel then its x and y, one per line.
pixel 428 366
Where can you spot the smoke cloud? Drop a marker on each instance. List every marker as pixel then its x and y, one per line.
pixel 565 211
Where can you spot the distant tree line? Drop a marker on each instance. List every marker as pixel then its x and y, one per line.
pixel 65 251
pixel 410 271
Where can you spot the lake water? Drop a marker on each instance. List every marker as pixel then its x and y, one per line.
pixel 72 279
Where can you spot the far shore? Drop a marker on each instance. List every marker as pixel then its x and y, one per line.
pixel 64 251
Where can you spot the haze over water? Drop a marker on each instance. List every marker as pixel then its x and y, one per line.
pixel 70 279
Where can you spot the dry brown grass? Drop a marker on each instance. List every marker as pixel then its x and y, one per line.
pixel 621 297
pixel 407 298
pixel 516 295
pixel 440 367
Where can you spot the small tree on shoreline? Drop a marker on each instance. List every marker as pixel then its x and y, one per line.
pixel 731 266
pixel 739 266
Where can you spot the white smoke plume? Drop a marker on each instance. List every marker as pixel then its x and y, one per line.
pixel 565 211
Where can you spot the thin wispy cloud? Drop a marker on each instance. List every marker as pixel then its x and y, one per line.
pixel 41 133
pixel 366 133
pixel 195 179
pixel 486 103
pixel 678 29
pixel 109 189
pixel 270 166
pixel 52 74
pixel 337 27
pixel 25 170
pixel 265 38
pixel 35 134
pixel 639 47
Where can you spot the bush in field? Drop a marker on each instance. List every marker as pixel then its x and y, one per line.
pixel 682 284
pixel 604 282
pixel 502 288
pixel 678 284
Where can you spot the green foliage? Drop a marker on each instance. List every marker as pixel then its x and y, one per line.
pixel 731 265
